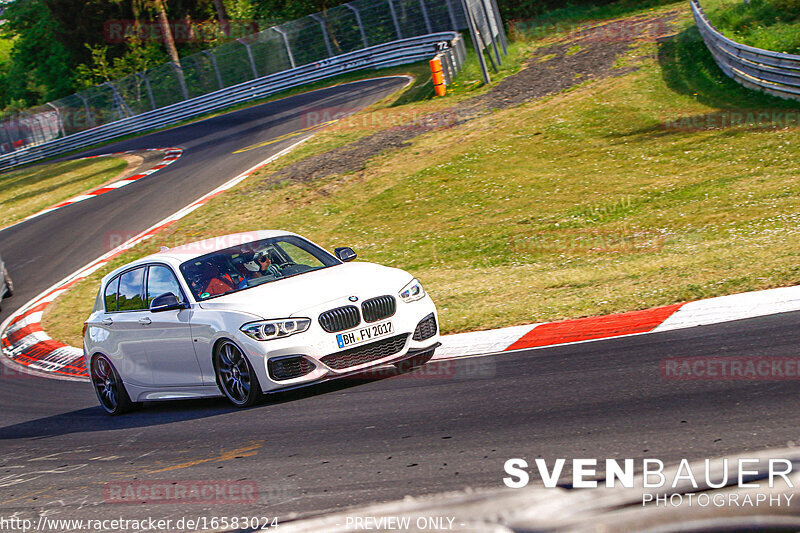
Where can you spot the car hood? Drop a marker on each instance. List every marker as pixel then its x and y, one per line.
pixel 304 294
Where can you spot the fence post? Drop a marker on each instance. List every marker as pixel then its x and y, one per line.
pixel 15 133
pixel 210 54
pixel 483 44
pixel 474 33
pixel 489 20
pixel 41 133
pixel 60 120
pixel 249 56
pixel 452 14
pixel 181 80
pixel 286 44
pixel 462 51
pixel 89 116
pixel 32 140
pixel 143 75
pixel 360 25
pixel 321 22
pixel 4 136
pixel 125 111
pixel 394 18
pixel 425 16
pixel 500 28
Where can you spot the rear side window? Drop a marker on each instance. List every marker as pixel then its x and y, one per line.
pixel 129 295
pixel 161 280
pixel 111 295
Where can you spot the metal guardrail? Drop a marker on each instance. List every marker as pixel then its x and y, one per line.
pixel 385 55
pixel 775 73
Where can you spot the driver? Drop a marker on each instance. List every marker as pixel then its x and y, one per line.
pixel 261 266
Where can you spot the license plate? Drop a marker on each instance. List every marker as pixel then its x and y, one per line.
pixel 365 334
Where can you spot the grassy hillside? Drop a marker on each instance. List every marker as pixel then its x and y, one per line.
pixel 768 24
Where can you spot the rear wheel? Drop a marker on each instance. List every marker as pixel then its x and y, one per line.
pixel 109 388
pixel 416 361
pixel 235 375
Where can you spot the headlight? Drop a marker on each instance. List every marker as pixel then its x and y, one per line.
pixel 413 291
pixel 275 329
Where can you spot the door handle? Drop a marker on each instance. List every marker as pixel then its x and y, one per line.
pixel 107 322
pixel 145 321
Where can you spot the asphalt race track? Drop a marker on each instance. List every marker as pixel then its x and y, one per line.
pixel 448 426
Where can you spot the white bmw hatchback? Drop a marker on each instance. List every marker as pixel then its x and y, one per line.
pixel 249 314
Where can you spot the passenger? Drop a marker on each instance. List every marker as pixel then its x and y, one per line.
pixel 215 282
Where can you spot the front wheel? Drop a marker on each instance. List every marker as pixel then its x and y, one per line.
pixel 235 375
pixel 109 388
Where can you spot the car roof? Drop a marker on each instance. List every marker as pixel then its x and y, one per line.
pixel 189 251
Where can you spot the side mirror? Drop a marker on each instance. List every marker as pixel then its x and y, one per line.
pixel 345 254
pixel 166 302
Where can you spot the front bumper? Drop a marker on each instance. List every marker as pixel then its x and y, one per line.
pixel 314 356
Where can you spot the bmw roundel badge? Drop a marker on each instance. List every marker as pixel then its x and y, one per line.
pixel 353 298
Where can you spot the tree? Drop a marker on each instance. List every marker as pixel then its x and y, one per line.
pixel 138 57
pixel 39 66
pixel 166 32
pixel 222 16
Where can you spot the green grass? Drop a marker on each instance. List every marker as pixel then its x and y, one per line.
pixel 593 201
pixel 768 24
pixel 26 192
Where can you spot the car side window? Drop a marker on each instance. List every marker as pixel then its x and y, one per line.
pixel 131 286
pixel 111 295
pixel 161 280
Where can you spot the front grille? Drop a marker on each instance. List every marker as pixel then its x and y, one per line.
pixel 426 328
pixel 378 308
pixel 367 353
pixel 289 367
pixel 340 319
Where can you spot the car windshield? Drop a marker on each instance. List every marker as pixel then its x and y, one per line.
pixel 254 263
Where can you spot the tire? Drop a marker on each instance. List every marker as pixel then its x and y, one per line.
pixel 9 283
pixel 407 365
pixel 108 386
pixel 235 376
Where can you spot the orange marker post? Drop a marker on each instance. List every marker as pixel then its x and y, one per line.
pixel 438 76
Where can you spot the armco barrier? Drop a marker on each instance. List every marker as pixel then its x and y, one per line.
pixel 385 55
pixel 772 72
